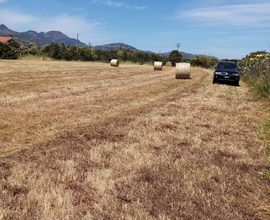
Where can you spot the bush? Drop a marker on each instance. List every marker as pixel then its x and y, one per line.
pixel 256 73
pixel 87 53
pixel 52 51
pixel 73 53
pixel 7 52
pixel 262 87
pixel 205 61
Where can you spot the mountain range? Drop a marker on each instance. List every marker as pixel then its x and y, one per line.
pixel 41 39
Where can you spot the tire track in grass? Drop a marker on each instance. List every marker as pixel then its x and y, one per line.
pixel 205 160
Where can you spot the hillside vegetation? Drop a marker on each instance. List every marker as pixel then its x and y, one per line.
pixel 86 53
pixel 83 140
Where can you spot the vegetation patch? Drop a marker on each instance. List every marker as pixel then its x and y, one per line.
pixel 256 72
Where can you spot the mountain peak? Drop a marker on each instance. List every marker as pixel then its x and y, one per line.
pixel 40 39
pixel 3 27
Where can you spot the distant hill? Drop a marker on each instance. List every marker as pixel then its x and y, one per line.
pixel 41 39
pixel 117 46
pixel 184 55
pixel 114 46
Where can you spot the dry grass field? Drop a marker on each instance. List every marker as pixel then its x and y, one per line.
pixel 82 140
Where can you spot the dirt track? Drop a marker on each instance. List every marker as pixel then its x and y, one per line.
pixel 129 142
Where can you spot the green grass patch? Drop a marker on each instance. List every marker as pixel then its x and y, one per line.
pixel 266 126
pixel 266 175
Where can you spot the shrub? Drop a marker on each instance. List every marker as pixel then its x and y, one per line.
pixel 256 72
pixel 52 51
pixel 205 61
pixel 7 52
pixel 262 86
pixel 87 53
pixel 175 57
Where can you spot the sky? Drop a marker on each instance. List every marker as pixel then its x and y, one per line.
pixel 227 29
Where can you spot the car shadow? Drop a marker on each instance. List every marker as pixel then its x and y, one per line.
pixel 228 83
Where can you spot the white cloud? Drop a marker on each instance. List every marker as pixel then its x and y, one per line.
pixel 236 15
pixel 109 3
pixel 119 4
pixel 114 3
pixel 14 18
pixel 2 1
pixel 71 26
pixel 138 7
pixel 66 23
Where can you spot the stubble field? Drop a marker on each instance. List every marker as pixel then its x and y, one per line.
pixel 82 140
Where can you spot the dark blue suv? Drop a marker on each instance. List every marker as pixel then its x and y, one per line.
pixel 226 71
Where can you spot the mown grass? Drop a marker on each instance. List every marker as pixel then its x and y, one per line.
pixel 34 57
pixel 259 83
pixel 173 149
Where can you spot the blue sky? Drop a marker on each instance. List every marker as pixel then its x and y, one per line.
pixel 222 28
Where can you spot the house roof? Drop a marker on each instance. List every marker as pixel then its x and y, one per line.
pixel 5 39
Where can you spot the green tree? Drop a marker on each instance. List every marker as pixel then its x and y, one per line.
pixel 13 44
pixel 32 48
pixel 98 55
pixel 154 57
pixel 112 54
pixel 73 52
pixel 63 52
pixel 123 54
pixel 87 53
pixel 7 52
pixel 175 57
pixel 52 51
pixel 139 57
pixel 213 61
pixel 205 61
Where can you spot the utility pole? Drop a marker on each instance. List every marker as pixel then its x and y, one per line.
pixel 178 45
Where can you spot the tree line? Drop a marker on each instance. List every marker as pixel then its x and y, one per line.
pixel 55 51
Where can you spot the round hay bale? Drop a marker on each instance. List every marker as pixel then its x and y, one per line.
pixel 115 63
pixel 169 64
pixel 182 71
pixel 157 65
